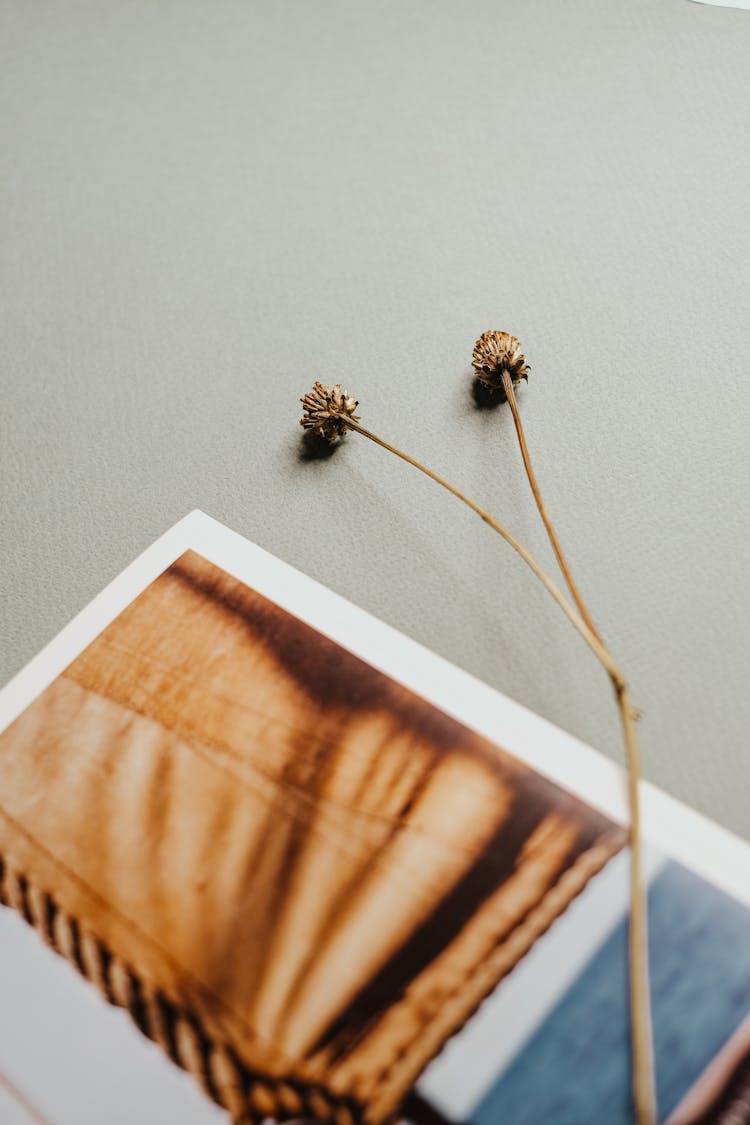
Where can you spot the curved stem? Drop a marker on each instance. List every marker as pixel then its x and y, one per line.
pixel 640 999
pixel 643 1082
pixel 575 618
pixel 574 592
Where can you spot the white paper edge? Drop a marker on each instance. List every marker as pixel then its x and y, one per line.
pixel 702 845
pixel 743 5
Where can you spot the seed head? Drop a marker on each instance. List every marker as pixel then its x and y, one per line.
pixel 326 409
pixel 495 352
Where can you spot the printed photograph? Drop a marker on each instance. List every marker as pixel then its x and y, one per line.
pixel 553 1042
pixel 425 925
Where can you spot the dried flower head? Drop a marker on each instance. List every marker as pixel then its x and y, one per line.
pixel 326 409
pixel 495 352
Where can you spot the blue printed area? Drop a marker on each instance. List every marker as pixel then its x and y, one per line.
pixel 576 1069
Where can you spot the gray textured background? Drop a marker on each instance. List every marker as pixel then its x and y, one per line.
pixel 204 206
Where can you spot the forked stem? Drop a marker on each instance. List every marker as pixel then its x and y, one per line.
pixel 640 1000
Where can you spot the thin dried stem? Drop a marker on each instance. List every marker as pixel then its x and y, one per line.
pixel 574 592
pixel 331 419
pixel 640 1000
pixel 640 993
pixel 571 613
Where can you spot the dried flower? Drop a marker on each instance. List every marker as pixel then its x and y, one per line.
pixel 495 352
pixel 500 364
pixel 326 411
